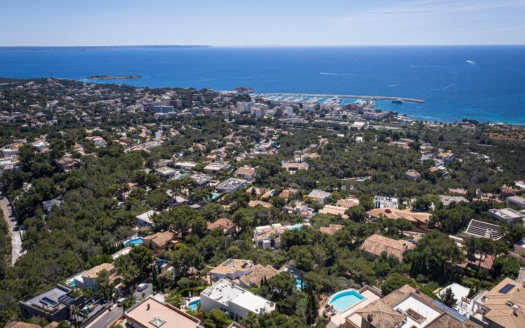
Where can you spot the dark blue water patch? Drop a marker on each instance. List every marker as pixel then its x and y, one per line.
pixel 479 82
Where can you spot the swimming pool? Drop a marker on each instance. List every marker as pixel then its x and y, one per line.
pixel 135 241
pixel 345 299
pixel 299 284
pixel 295 227
pixel 193 304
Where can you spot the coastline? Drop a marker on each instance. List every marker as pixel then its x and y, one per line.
pixel 452 88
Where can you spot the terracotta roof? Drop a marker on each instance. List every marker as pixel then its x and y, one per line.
pixel 233 265
pixel 17 324
pixel 259 272
pixel 224 223
pixel 334 210
pixel 382 315
pixel 93 272
pixel 150 310
pixel 160 239
pixel 451 322
pixel 348 202
pixel 286 193
pixel 395 214
pixel 254 203
pixel 500 312
pixel 376 244
pixel 245 170
pixel 331 229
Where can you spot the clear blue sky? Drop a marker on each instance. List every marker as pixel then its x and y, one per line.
pixel 261 22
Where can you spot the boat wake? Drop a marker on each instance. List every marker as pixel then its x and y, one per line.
pixel 471 62
pixel 342 74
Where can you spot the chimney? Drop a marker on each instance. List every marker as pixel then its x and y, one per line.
pixel 147 308
pixel 370 317
pixel 418 290
pixel 515 310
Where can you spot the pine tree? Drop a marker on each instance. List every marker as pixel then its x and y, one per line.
pixel 311 307
pixel 448 298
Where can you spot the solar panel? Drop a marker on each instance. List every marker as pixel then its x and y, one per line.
pixel 450 311
pixel 507 288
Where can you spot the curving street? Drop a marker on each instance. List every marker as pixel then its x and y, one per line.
pixel 14 233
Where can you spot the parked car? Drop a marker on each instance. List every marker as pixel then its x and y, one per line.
pixel 141 287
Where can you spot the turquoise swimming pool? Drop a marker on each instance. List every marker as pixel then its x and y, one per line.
pixel 345 299
pixel 295 227
pixel 193 304
pixel 135 241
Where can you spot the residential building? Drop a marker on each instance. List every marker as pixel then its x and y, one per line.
pixel 347 202
pixel 460 293
pixel 254 203
pixel 285 194
pixel 231 185
pixel 334 210
pixel 66 164
pixel 232 298
pixel 502 306
pixel 299 207
pixel 507 214
pixel 446 200
pixel 88 278
pixel 292 167
pixel 319 196
pixel 407 307
pixel 165 173
pixel 202 180
pixel 54 305
pixel 144 219
pixel 152 313
pixel 269 236
pixel 19 324
pixel 216 168
pixel 480 229
pixel 227 226
pixel 376 244
pixel 160 240
pixel 255 278
pixel 186 166
pixel 245 172
pixel 447 157
pixel 386 202
pixel 417 218
pixel 516 201
pixel 413 175
pixel 373 115
pixel 330 230
pixel 231 269
pixel 48 204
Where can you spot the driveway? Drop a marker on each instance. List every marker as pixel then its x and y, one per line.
pixel 14 233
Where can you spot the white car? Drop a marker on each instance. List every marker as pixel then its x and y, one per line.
pixel 141 287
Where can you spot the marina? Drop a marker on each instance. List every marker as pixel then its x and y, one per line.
pixel 304 95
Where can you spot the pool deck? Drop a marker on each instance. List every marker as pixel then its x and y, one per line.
pixel 340 318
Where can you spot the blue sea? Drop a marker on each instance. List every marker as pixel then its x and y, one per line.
pixel 486 83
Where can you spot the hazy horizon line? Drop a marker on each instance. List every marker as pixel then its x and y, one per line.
pixel 260 46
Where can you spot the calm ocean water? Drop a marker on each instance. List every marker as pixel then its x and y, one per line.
pixel 486 83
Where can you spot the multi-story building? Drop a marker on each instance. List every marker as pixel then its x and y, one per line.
pixel 237 301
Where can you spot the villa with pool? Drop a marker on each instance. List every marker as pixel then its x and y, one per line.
pixel 406 307
pixel 343 304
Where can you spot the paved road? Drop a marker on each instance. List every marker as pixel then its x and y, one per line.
pixel 107 318
pixel 16 240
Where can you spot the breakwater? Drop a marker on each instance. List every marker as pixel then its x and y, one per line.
pixel 328 95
